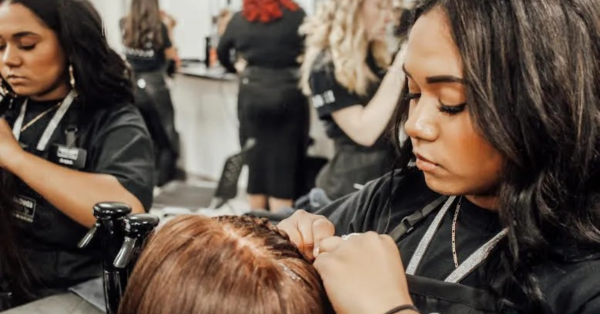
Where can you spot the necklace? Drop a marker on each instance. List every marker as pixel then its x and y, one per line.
pixel 454 254
pixel 39 116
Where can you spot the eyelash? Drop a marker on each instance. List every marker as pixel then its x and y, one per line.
pixel 451 110
pixel 26 48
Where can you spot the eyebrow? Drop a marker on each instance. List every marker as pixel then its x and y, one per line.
pixel 24 34
pixel 438 78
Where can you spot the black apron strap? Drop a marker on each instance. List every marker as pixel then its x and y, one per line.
pixel 408 222
pixel 72 126
pixel 436 296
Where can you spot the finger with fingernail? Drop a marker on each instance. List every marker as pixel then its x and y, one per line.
pixel 327 245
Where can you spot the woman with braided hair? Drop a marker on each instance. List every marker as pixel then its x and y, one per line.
pixel 229 265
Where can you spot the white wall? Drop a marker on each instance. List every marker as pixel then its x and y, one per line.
pixel 111 11
pixel 193 24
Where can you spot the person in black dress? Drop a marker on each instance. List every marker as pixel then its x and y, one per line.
pixel 272 111
pixel 501 212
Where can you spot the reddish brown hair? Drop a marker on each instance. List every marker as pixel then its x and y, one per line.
pixel 266 11
pixel 227 265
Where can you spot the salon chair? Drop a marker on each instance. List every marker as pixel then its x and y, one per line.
pixel 122 236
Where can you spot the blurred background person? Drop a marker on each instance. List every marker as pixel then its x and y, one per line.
pixel 229 265
pixel 173 60
pixel 271 108
pixel 402 19
pixel 148 48
pixel 344 72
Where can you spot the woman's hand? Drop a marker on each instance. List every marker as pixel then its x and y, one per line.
pixel 362 273
pixel 307 230
pixel 9 146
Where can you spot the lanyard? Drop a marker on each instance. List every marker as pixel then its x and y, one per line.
pixel 466 267
pixel 58 116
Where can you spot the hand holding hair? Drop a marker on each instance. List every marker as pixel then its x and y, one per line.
pixel 306 231
pixel 362 273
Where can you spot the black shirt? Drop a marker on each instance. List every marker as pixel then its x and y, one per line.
pixel 329 96
pixel 118 144
pixel 276 44
pixel 568 287
pixel 149 58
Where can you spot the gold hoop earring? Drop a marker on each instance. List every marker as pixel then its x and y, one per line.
pixel 71 76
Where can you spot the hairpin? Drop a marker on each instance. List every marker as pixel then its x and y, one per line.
pixel 289 272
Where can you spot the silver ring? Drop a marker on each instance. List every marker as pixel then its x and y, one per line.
pixel 347 236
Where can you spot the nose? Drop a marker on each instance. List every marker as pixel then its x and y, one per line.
pixel 10 57
pixel 388 17
pixel 421 123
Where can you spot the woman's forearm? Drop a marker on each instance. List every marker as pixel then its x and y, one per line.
pixel 365 124
pixel 73 192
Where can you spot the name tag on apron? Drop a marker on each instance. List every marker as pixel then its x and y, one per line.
pixel 25 209
pixel 71 157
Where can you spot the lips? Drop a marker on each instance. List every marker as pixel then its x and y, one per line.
pixel 15 79
pixel 425 164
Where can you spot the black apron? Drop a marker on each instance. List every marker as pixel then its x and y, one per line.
pixel 47 237
pixel 352 166
pixel 437 296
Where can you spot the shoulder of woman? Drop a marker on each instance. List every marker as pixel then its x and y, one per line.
pixel 299 12
pixel 124 112
pixel 400 183
pixel 120 115
pixel 237 16
pixel 322 66
pixel 572 287
pixel 323 61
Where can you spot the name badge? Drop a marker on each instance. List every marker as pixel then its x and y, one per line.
pixel 25 209
pixel 71 157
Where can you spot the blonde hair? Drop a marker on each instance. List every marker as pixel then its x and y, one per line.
pixel 338 30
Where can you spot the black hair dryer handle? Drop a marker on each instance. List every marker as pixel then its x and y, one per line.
pixel 126 253
pixel 89 236
pixel 137 228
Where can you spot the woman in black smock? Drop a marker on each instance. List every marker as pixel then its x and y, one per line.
pixel 69 139
pixel 345 74
pixel 271 108
pixel 487 213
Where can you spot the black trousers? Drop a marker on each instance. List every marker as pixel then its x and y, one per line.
pixel 153 99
